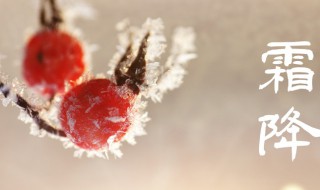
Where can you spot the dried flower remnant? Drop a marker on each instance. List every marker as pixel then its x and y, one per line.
pixel 99 113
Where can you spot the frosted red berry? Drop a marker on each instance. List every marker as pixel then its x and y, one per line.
pixel 93 111
pixel 52 57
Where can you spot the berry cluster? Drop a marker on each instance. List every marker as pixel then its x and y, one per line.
pixel 95 114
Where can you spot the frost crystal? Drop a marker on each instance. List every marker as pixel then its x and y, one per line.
pixel 124 41
pixel 138 118
pixel 156 41
pixel 115 119
pixel 174 69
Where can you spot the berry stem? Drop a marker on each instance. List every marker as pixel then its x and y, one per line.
pixel 56 18
pixel 31 111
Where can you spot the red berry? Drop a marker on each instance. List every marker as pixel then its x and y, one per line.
pixel 93 111
pixel 52 57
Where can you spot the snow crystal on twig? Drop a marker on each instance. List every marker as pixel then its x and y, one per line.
pixel 156 41
pixel 156 47
pixel 182 52
pixel 124 36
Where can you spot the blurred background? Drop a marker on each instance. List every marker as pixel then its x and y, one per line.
pixel 204 135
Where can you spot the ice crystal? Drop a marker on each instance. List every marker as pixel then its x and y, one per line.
pixel 182 52
pixel 124 38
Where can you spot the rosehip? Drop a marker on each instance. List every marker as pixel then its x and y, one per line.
pixel 52 57
pixel 92 112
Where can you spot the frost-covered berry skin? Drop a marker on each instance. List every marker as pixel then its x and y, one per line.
pixel 93 111
pixel 52 57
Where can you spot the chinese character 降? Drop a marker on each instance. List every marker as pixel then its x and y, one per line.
pixel 291 125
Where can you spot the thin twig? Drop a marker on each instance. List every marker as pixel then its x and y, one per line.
pixel 31 111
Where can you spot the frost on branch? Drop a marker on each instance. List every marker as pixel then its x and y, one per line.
pixel 134 70
pixel 30 110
